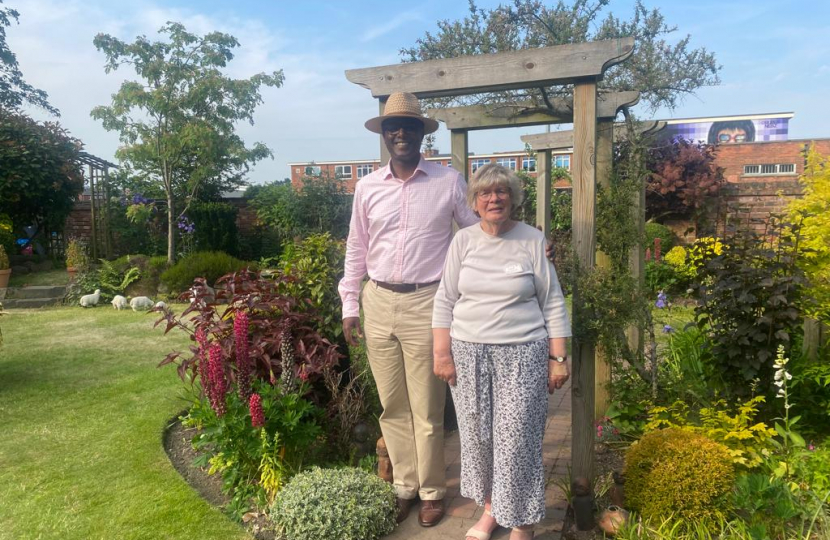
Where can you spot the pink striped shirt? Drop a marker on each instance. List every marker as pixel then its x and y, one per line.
pixel 400 230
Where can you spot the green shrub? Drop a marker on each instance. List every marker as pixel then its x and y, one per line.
pixel 76 256
pixel 677 472
pixel 7 234
pixel 210 265
pixel 215 226
pixel 348 504
pixel 4 259
pixel 661 277
pixel 314 267
pixel 666 236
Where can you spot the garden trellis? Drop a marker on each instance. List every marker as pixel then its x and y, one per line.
pixel 98 180
pixel 581 65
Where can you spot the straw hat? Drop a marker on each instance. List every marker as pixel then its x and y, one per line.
pixel 402 105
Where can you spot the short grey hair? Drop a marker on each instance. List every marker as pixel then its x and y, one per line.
pixel 491 175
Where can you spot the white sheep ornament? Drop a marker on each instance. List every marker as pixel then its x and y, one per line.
pixel 141 303
pixel 91 300
pixel 160 305
pixel 119 302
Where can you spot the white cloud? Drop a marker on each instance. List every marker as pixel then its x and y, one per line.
pixel 380 30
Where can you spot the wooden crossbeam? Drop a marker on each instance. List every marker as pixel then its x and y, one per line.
pixel 521 114
pixel 527 68
pixel 561 140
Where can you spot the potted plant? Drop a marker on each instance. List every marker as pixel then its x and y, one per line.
pixel 76 258
pixel 5 271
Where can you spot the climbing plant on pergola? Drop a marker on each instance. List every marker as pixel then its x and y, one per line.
pixel 581 65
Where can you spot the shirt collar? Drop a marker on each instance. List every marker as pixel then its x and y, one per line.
pixel 421 168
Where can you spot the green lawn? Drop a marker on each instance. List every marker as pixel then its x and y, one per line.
pixel 83 407
pixel 52 277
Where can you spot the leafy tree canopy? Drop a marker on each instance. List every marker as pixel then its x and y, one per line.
pixel 663 70
pixel 14 91
pixel 177 123
pixel 41 175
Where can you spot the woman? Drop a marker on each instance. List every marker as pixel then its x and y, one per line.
pixel 499 339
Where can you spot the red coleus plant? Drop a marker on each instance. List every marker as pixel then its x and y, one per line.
pixel 247 305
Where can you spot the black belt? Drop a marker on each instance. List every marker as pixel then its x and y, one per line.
pixel 403 287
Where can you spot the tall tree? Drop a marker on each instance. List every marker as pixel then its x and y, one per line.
pixel 14 91
pixel 663 72
pixel 177 124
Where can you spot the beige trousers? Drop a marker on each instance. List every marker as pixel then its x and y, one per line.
pixel 398 331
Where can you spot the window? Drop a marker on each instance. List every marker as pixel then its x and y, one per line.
pixel 363 170
pixel 449 163
pixel 770 168
pixel 476 163
pixel 343 171
pixel 529 164
pixel 312 171
pixel 509 163
pixel 562 161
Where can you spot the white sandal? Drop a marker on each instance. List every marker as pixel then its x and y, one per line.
pixel 481 535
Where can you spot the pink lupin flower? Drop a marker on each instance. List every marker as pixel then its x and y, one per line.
pixel 657 242
pixel 648 254
pixel 202 355
pixel 255 406
pixel 243 363
pixel 218 388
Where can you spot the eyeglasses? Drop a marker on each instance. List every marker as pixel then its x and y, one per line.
pixel 409 125
pixel 500 194
pixel 725 137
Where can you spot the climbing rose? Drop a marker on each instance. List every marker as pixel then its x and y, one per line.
pixel 243 363
pixel 255 406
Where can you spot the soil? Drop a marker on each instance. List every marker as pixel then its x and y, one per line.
pixel 607 460
pixel 181 453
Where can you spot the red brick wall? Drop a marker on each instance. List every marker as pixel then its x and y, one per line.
pixel 79 222
pixel 748 200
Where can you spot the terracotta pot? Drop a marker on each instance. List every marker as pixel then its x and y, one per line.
pixel 4 277
pixel 384 463
pixel 612 519
pixel 72 271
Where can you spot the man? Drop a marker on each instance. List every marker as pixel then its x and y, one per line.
pixel 400 231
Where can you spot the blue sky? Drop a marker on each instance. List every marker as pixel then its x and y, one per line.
pixel 775 57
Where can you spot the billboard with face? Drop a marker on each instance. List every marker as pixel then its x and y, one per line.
pixel 730 131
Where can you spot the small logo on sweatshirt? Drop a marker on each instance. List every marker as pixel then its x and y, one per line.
pixel 513 268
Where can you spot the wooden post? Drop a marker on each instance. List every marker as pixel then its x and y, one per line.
pixel 637 265
pixel 459 147
pixel 94 225
pixel 543 189
pixel 605 156
pixel 384 152
pixel 584 242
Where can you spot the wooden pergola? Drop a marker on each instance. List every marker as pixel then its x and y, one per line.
pixel 581 65
pixel 98 178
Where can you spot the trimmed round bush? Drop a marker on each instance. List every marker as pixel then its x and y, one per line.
pixel 658 230
pixel 347 504
pixel 679 472
pixel 210 265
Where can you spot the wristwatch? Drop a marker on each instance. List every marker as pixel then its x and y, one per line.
pixel 560 359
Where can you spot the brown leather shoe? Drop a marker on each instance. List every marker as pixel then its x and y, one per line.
pixel 431 513
pixel 404 505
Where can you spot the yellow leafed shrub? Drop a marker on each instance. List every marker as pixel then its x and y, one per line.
pixel 677 472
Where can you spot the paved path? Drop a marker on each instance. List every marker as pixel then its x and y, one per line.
pixel 462 513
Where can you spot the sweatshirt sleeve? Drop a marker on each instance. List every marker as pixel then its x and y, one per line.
pixel 447 294
pixel 549 294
